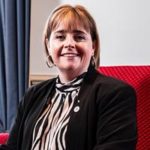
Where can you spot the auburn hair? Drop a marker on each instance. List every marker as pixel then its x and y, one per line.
pixel 72 16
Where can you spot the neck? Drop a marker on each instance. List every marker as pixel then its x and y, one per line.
pixel 67 76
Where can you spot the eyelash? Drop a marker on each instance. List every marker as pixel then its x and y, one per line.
pixel 79 37
pixel 60 37
pixel 76 37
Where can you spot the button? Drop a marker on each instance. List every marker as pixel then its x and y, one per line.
pixel 76 109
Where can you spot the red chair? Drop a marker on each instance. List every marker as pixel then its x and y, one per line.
pixel 139 78
pixel 3 138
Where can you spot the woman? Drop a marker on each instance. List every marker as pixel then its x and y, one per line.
pixel 80 109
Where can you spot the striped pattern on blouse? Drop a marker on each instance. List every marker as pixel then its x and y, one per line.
pixel 51 127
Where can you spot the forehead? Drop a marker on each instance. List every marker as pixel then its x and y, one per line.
pixel 62 27
pixel 70 22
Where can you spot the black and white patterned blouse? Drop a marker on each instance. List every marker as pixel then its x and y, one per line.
pixel 51 127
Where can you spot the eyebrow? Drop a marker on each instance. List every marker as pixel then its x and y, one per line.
pixel 74 31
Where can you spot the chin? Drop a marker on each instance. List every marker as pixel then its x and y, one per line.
pixel 69 68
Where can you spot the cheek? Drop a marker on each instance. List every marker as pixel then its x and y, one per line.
pixel 54 54
pixel 89 51
pixel 53 49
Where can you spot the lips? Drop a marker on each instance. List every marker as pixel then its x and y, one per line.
pixel 70 54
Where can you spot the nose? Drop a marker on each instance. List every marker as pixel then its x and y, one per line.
pixel 69 42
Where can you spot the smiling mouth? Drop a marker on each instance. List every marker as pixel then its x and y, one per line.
pixel 70 54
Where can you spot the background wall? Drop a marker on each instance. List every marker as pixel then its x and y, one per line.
pixel 124 27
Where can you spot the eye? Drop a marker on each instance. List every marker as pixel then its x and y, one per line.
pixel 79 38
pixel 60 37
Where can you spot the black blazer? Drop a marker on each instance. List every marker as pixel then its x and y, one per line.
pixel 106 119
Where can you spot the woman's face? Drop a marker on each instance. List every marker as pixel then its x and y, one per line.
pixel 71 50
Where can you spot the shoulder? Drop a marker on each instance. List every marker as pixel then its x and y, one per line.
pixel 43 84
pixel 40 86
pixel 110 83
pixel 112 89
pixel 106 87
pixel 39 90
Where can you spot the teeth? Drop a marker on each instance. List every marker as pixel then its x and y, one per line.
pixel 69 54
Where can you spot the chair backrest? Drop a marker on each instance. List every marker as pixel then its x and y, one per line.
pixel 139 78
pixel 3 138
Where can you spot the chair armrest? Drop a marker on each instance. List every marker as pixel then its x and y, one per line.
pixel 3 138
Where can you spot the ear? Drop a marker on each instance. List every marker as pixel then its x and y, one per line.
pixel 93 45
pixel 47 43
pixel 93 48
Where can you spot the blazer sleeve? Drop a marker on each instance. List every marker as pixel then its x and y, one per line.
pixel 15 131
pixel 12 141
pixel 116 126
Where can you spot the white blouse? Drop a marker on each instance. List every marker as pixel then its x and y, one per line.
pixel 51 127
